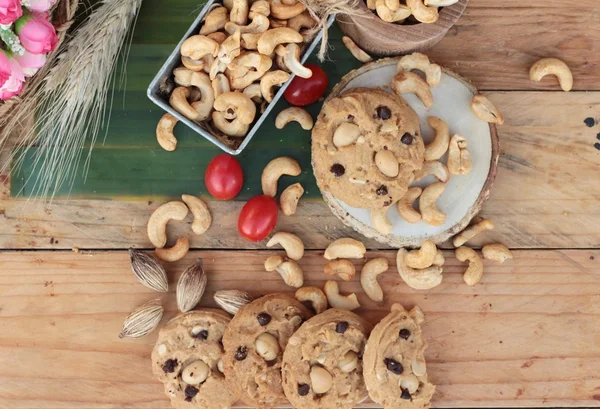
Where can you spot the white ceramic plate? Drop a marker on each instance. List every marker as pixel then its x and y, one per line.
pixel 464 194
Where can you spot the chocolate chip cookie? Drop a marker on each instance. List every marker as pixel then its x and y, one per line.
pixel 322 364
pixel 254 343
pixel 366 147
pixel 394 368
pixel 187 360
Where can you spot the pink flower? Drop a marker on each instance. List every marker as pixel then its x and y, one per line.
pixel 37 35
pixel 40 6
pixel 14 84
pixel 10 10
pixel 30 63
pixel 5 69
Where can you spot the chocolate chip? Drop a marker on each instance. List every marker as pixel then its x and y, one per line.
pixel 303 389
pixel 310 306
pixel 263 318
pixel 170 365
pixel 271 363
pixel 337 169
pixel 407 139
pixel 404 333
pixel 350 117
pixel 394 366
pixel 341 327
pixel 382 190
pixel 383 112
pixel 589 122
pixel 241 353
pixel 387 203
pixel 203 335
pixel 406 395
pixel 190 392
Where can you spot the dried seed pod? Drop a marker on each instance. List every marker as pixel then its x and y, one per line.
pixel 143 320
pixel 232 300
pixel 148 271
pixel 190 286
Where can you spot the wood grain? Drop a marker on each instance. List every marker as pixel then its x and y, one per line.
pixel 545 194
pixel 528 335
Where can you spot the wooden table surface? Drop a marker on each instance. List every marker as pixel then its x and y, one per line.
pixel 528 335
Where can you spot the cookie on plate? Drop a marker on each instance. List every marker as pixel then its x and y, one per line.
pixel 393 364
pixel 366 147
pixel 187 360
pixel 322 366
pixel 254 343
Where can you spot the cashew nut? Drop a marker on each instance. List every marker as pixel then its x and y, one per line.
pixel 345 134
pixel 349 362
pixel 418 279
pixel 272 262
pixel 320 379
pixel 217 66
pixel 386 162
pixel 219 37
pixel 157 224
pixel 283 165
pixel 368 278
pixel 204 106
pixel 435 168
pixel 202 217
pixel 459 158
pixel 422 13
pixel 261 7
pixel 281 35
pixel 271 79
pixel 485 110
pixel 220 85
pixel 429 211
pixel 179 102
pixel 472 231
pixel 239 12
pixel 392 15
pixel 177 252
pixel 475 269
pixel 552 66
pixel 215 20
pixel 195 373
pixel 409 82
pixel 253 92
pixel 276 23
pixel 355 50
pixel 250 40
pixel 259 25
pixel 440 3
pixel 380 220
pixel 288 201
pixel 293 246
pixel 422 258
pixel 291 59
pixel 418 61
pixel 183 76
pixel 336 300
pixel 341 268
pixel 291 273
pixel 237 105
pixel 296 114
pixel 345 248
pixel 284 11
pixel 438 147
pixel 267 346
pixel 164 132
pixel 302 22
pixel 497 252
pixel 197 46
pixel 315 296
pixel 247 68
pixel 230 48
pixel 193 65
pixel 405 205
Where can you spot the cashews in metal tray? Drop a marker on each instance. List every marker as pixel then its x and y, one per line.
pixel 179 101
pixel 485 110
pixel 336 300
pixel 422 258
pixel 275 36
pixel 459 158
pixel 429 211
pixel 438 147
pixel 496 252
pixel 285 10
pixel 270 80
pixel 472 231
pixel 283 165
pixel 552 66
pixel 197 46
pixel 356 51
pixel 240 109
pixel 291 273
pixel 405 205
pixel 177 252
pixel 164 132
pixel 418 61
pixel 345 248
pixel 294 114
pixel 291 59
pixel 424 279
pixel 411 83
pixel 288 201
pixel 204 105
pixel 214 20
pixel 202 217
pixel 315 296
pixel 341 268
pixel 475 269
pixel 157 224
pixel 368 278
pixel 293 246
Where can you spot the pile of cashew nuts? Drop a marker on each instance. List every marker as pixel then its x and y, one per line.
pixel 421 11
pixel 230 69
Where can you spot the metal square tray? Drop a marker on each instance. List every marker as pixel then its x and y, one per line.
pixel 174 60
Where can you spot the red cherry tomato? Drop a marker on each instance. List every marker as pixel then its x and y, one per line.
pixel 305 91
pixel 224 177
pixel 258 218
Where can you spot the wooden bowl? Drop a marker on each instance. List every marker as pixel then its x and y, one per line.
pixel 465 194
pixel 377 37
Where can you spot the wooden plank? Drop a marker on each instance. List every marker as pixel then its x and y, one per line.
pixel 546 193
pixel 528 335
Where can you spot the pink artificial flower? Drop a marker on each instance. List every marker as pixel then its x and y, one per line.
pixel 39 6
pixel 36 33
pixel 5 69
pixel 10 11
pixel 14 84
pixel 30 63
